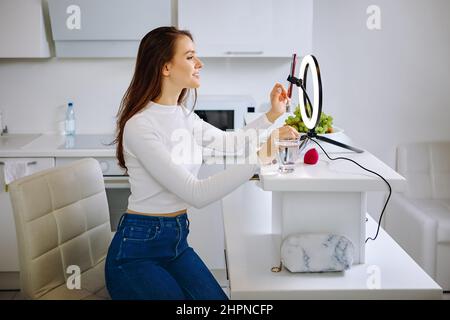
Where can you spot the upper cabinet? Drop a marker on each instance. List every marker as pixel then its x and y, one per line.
pixel 22 30
pixel 251 28
pixel 104 28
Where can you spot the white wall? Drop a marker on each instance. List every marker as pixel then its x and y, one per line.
pixel 33 92
pixel 388 86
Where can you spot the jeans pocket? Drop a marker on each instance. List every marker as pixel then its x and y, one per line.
pixel 141 233
pixel 138 242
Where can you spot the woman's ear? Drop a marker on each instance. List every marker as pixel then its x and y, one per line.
pixel 166 70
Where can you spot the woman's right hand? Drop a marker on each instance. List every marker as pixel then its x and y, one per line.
pixel 267 151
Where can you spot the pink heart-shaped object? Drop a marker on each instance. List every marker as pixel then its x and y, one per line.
pixel 311 156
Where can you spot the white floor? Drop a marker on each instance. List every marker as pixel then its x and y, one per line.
pixel 219 274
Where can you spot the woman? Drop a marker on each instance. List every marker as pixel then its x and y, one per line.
pixel 149 257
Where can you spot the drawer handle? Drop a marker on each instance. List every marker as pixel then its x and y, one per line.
pixel 28 163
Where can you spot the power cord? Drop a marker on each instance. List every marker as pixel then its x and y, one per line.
pixel 390 189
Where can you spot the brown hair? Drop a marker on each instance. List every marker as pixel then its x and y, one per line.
pixel 156 49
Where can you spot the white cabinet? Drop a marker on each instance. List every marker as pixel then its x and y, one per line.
pixel 22 30
pixel 206 234
pixel 104 28
pixel 9 261
pixel 251 28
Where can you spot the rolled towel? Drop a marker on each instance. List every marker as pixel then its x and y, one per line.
pixel 317 252
pixel 13 170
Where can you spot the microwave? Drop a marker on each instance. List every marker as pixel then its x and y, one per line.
pixel 221 119
pixel 225 112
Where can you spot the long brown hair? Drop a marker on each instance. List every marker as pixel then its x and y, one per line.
pixel 155 50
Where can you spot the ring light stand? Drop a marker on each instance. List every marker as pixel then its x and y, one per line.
pixel 311 121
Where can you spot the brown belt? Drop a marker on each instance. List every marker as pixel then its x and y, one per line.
pixel 170 214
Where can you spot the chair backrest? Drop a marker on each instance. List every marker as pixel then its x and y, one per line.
pixel 426 166
pixel 62 220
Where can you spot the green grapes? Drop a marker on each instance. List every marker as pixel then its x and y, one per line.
pixel 325 124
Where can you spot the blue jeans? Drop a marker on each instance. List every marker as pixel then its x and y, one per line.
pixel 149 258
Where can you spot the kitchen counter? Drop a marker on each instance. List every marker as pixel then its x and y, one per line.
pixel 82 145
pixel 14 141
pixel 338 175
pixel 330 196
pixel 253 249
pixel 54 145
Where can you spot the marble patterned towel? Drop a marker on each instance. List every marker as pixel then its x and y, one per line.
pixel 316 252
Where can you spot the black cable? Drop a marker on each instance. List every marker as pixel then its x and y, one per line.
pixel 390 189
pixel 299 83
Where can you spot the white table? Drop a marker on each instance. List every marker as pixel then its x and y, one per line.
pixel 330 196
pixel 252 249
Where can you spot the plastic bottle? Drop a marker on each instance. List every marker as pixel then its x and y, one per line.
pixel 70 120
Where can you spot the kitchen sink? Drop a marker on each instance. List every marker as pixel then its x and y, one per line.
pixel 16 140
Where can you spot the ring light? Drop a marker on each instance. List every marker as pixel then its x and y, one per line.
pixel 310 122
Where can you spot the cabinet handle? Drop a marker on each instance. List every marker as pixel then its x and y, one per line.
pixel 244 52
pixel 28 163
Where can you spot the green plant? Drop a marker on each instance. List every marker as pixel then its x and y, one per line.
pixel 325 124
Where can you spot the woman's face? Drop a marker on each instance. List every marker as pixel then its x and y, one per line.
pixel 184 69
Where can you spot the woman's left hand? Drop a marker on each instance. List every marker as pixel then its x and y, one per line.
pixel 278 100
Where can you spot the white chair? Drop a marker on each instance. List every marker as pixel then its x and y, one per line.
pixel 62 220
pixel 419 219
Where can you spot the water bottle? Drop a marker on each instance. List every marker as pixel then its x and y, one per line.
pixel 70 120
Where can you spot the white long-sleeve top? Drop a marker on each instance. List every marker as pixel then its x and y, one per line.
pixel 163 153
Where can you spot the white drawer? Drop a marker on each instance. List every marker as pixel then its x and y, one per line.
pixel 9 259
pixel 34 164
pixel 108 164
